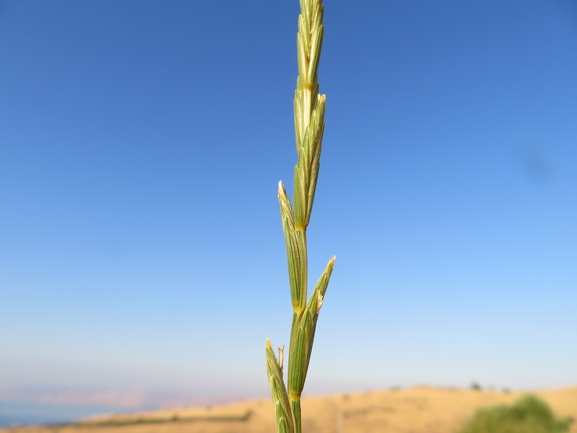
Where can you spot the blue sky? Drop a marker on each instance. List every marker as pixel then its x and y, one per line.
pixel 142 259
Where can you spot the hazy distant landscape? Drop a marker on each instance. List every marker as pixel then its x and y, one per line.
pixel 44 413
pixel 415 410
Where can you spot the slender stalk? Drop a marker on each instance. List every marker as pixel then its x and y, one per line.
pixel 309 112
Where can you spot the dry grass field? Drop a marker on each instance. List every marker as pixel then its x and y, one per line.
pixel 414 410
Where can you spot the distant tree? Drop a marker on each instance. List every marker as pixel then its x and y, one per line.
pixel 529 414
pixel 475 386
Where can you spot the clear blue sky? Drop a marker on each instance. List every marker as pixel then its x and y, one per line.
pixel 142 258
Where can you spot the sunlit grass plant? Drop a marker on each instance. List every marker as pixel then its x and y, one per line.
pixel 309 113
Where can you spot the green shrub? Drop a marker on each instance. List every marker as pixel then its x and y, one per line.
pixel 529 414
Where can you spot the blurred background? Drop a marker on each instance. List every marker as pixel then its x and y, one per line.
pixel 142 261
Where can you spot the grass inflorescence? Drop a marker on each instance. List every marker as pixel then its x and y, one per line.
pixel 309 113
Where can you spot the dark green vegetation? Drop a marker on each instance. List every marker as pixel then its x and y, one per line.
pixel 476 387
pixel 119 422
pixel 529 414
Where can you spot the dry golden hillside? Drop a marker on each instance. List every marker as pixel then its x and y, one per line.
pixel 415 410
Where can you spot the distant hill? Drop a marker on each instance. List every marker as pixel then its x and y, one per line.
pixel 416 410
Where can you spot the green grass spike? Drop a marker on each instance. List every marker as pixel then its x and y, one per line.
pixel 309 112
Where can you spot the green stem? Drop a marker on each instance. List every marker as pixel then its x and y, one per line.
pixel 296 408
